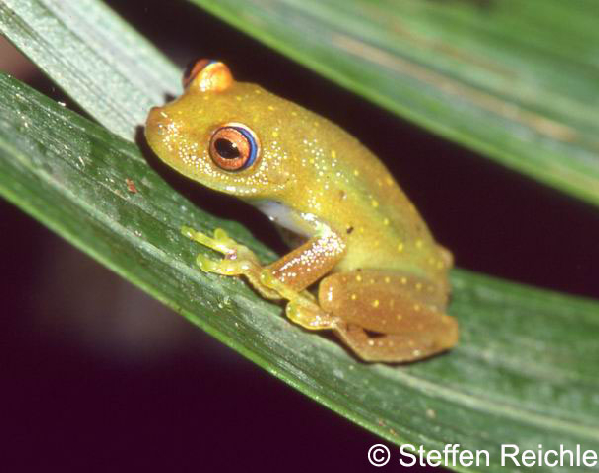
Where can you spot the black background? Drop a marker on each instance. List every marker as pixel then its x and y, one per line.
pixel 96 376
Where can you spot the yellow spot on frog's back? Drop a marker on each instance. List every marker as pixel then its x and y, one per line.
pixel 238 98
pixel 354 297
pixel 358 277
pixel 333 154
pixel 271 108
pixel 386 221
pixel 403 280
pixel 400 247
pixel 387 279
pixel 389 181
pixel 419 243
pixel 374 203
pixel 258 91
pixel 356 172
pixel 275 134
pixel 294 114
pixel 418 286
pixel 375 303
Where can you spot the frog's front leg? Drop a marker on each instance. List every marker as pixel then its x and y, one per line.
pixel 286 278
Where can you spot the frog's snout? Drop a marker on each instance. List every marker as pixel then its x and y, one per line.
pixel 156 119
pixel 159 125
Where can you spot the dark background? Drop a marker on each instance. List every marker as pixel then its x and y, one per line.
pixel 95 375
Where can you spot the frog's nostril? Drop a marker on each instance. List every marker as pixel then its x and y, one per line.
pixel 156 118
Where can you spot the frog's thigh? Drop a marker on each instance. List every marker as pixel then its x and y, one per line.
pixel 407 317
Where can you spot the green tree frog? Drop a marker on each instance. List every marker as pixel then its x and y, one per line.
pixel 380 278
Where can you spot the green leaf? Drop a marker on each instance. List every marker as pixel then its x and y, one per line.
pixel 97 58
pixel 516 80
pixel 525 371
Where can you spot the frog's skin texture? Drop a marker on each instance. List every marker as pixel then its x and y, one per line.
pixel 382 279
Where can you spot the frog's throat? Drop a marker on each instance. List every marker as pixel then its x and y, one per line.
pixel 301 223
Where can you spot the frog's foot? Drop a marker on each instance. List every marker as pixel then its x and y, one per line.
pixel 392 348
pixel 222 243
pixel 302 308
pixel 238 260
pixel 309 315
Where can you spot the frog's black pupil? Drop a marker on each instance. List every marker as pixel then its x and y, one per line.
pixel 226 149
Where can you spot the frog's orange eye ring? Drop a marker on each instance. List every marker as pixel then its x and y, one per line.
pixel 233 147
pixel 207 75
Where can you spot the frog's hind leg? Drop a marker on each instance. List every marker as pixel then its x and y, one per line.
pixel 387 315
pixel 392 348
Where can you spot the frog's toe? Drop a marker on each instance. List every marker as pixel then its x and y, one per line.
pixel 206 264
pixel 306 313
pixel 221 242
pixel 395 348
pixel 189 232
pixel 223 238
pixel 225 266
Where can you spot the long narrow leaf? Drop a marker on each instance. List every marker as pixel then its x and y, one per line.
pixel 526 371
pixel 98 59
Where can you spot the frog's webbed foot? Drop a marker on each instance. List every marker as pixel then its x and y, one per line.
pixel 394 348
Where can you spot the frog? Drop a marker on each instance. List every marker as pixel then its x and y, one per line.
pixel 362 261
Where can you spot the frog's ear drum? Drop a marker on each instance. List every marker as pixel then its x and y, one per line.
pixel 207 75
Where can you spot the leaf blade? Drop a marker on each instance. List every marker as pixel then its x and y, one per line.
pixel 525 371
pixel 96 57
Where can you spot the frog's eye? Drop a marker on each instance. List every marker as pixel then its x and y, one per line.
pixel 206 74
pixel 233 147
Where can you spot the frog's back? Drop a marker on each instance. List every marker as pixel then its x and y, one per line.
pixel 349 188
pixel 390 234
